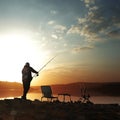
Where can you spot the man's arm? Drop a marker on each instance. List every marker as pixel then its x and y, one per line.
pixel 34 71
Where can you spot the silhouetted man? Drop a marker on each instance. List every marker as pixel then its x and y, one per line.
pixel 26 78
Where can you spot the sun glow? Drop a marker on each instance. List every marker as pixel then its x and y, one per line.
pixel 15 50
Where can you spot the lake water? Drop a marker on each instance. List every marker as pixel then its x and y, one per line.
pixel 94 99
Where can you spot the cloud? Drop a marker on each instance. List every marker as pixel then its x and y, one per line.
pixel 60 28
pixel 115 34
pixel 89 2
pixel 54 12
pixel 74 29
pixel 51 22
pixel 78 49
pixel 59 31
pixel 101 21
pixel 54 36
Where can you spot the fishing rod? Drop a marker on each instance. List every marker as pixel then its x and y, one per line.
pixel 45 64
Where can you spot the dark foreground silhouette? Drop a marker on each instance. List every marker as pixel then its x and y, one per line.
pixel 19 109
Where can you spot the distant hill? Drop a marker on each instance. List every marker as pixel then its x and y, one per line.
pixel 94 89
pixel 110 89
pixel 10 89
pixel 10 85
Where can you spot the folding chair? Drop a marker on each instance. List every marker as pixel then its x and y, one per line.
pixel 47 93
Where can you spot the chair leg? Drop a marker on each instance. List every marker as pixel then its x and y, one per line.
pixel 70 98
pixel 41 98
pixel 63 98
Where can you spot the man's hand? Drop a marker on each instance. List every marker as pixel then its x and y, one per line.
pixel 37 74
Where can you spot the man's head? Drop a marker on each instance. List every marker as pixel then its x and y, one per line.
pixel 27 64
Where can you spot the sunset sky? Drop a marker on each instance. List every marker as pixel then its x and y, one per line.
pixel 84 34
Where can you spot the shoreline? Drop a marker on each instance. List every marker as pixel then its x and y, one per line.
pixel 19 109
pixel 94 99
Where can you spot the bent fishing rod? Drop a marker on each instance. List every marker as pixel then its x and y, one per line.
pixel 45 65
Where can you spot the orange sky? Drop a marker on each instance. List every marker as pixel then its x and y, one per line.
pixel 67 75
